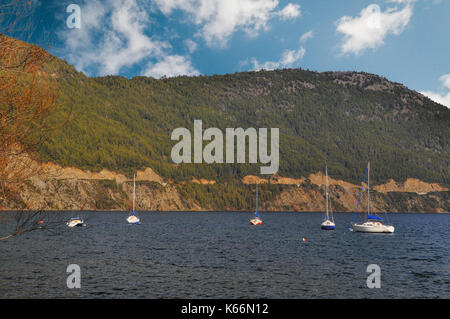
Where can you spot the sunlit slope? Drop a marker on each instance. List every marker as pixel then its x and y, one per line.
pixel 339 119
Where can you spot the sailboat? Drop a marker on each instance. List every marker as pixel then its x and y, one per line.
pixel 373 224
pixel 133 219
pixel 256 221
pixel 328 222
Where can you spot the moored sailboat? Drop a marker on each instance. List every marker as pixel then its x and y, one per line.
pixel 256 221
pixel 373 224
pixel 133 219
pixel 328 222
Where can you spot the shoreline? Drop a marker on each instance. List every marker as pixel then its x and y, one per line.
pixel 212 211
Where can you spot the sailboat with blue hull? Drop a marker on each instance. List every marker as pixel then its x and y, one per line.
pixel 133 219
pixel 256 221
pixel 328 222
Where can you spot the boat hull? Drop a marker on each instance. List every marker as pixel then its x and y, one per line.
pixel 75 223
pixel 327 225
pixel 256 222
pixel 133 220
pixel 373 228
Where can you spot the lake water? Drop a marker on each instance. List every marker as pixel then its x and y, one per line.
pixel 219 255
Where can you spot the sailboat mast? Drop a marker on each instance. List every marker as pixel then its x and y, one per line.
pixel 134 191
pixel 326 189
pixel 368 188
pixel 256 200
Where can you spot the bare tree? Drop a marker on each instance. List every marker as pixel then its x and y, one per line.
pixel 28 94
pixel 26 221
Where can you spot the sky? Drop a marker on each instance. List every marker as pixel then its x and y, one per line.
pixel 406 41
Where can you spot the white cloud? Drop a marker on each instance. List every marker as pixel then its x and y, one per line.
pixel 111 37
pixel 169 66
pixel 438 98
pixel 370 28
pixel 288 59
pixel 445 79
pixel 442 98
pixel 128 23
pixel 191 45
pixel 290 11
pixel 305 36
pixel 219 19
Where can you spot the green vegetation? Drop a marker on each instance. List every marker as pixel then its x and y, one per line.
pixel 125 125
pixel 412 202
pixel 229 196
pixel 103 198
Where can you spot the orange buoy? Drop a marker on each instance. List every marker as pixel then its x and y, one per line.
pixel 41 222
pixel 304 239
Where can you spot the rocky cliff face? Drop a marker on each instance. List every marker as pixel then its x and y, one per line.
pixel 65 188
pixel 312 198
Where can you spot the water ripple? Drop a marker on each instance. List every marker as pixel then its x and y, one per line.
pixel 218 255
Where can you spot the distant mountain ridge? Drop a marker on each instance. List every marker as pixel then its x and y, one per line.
pixel 119 127
pixel 338 119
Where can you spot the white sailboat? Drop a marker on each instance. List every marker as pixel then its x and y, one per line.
pixel 133 219
pixel 328 222
pixel 256 221
pixel 373 224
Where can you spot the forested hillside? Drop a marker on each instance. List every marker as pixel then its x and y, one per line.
pixel 339 119
pixel 112 127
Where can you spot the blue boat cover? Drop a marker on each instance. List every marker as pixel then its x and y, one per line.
pixel 375 217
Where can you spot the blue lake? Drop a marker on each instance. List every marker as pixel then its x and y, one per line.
pixel 219 255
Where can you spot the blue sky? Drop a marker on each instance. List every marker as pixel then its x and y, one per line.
pixel 407 41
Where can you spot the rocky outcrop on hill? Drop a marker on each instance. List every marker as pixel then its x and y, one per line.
pixel 67 188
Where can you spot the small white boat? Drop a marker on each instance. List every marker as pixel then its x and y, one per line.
pixel 76 222
pixel 256 221
pixel 328 222
pixel 133 219
pixel 373 227
pixel 373 224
